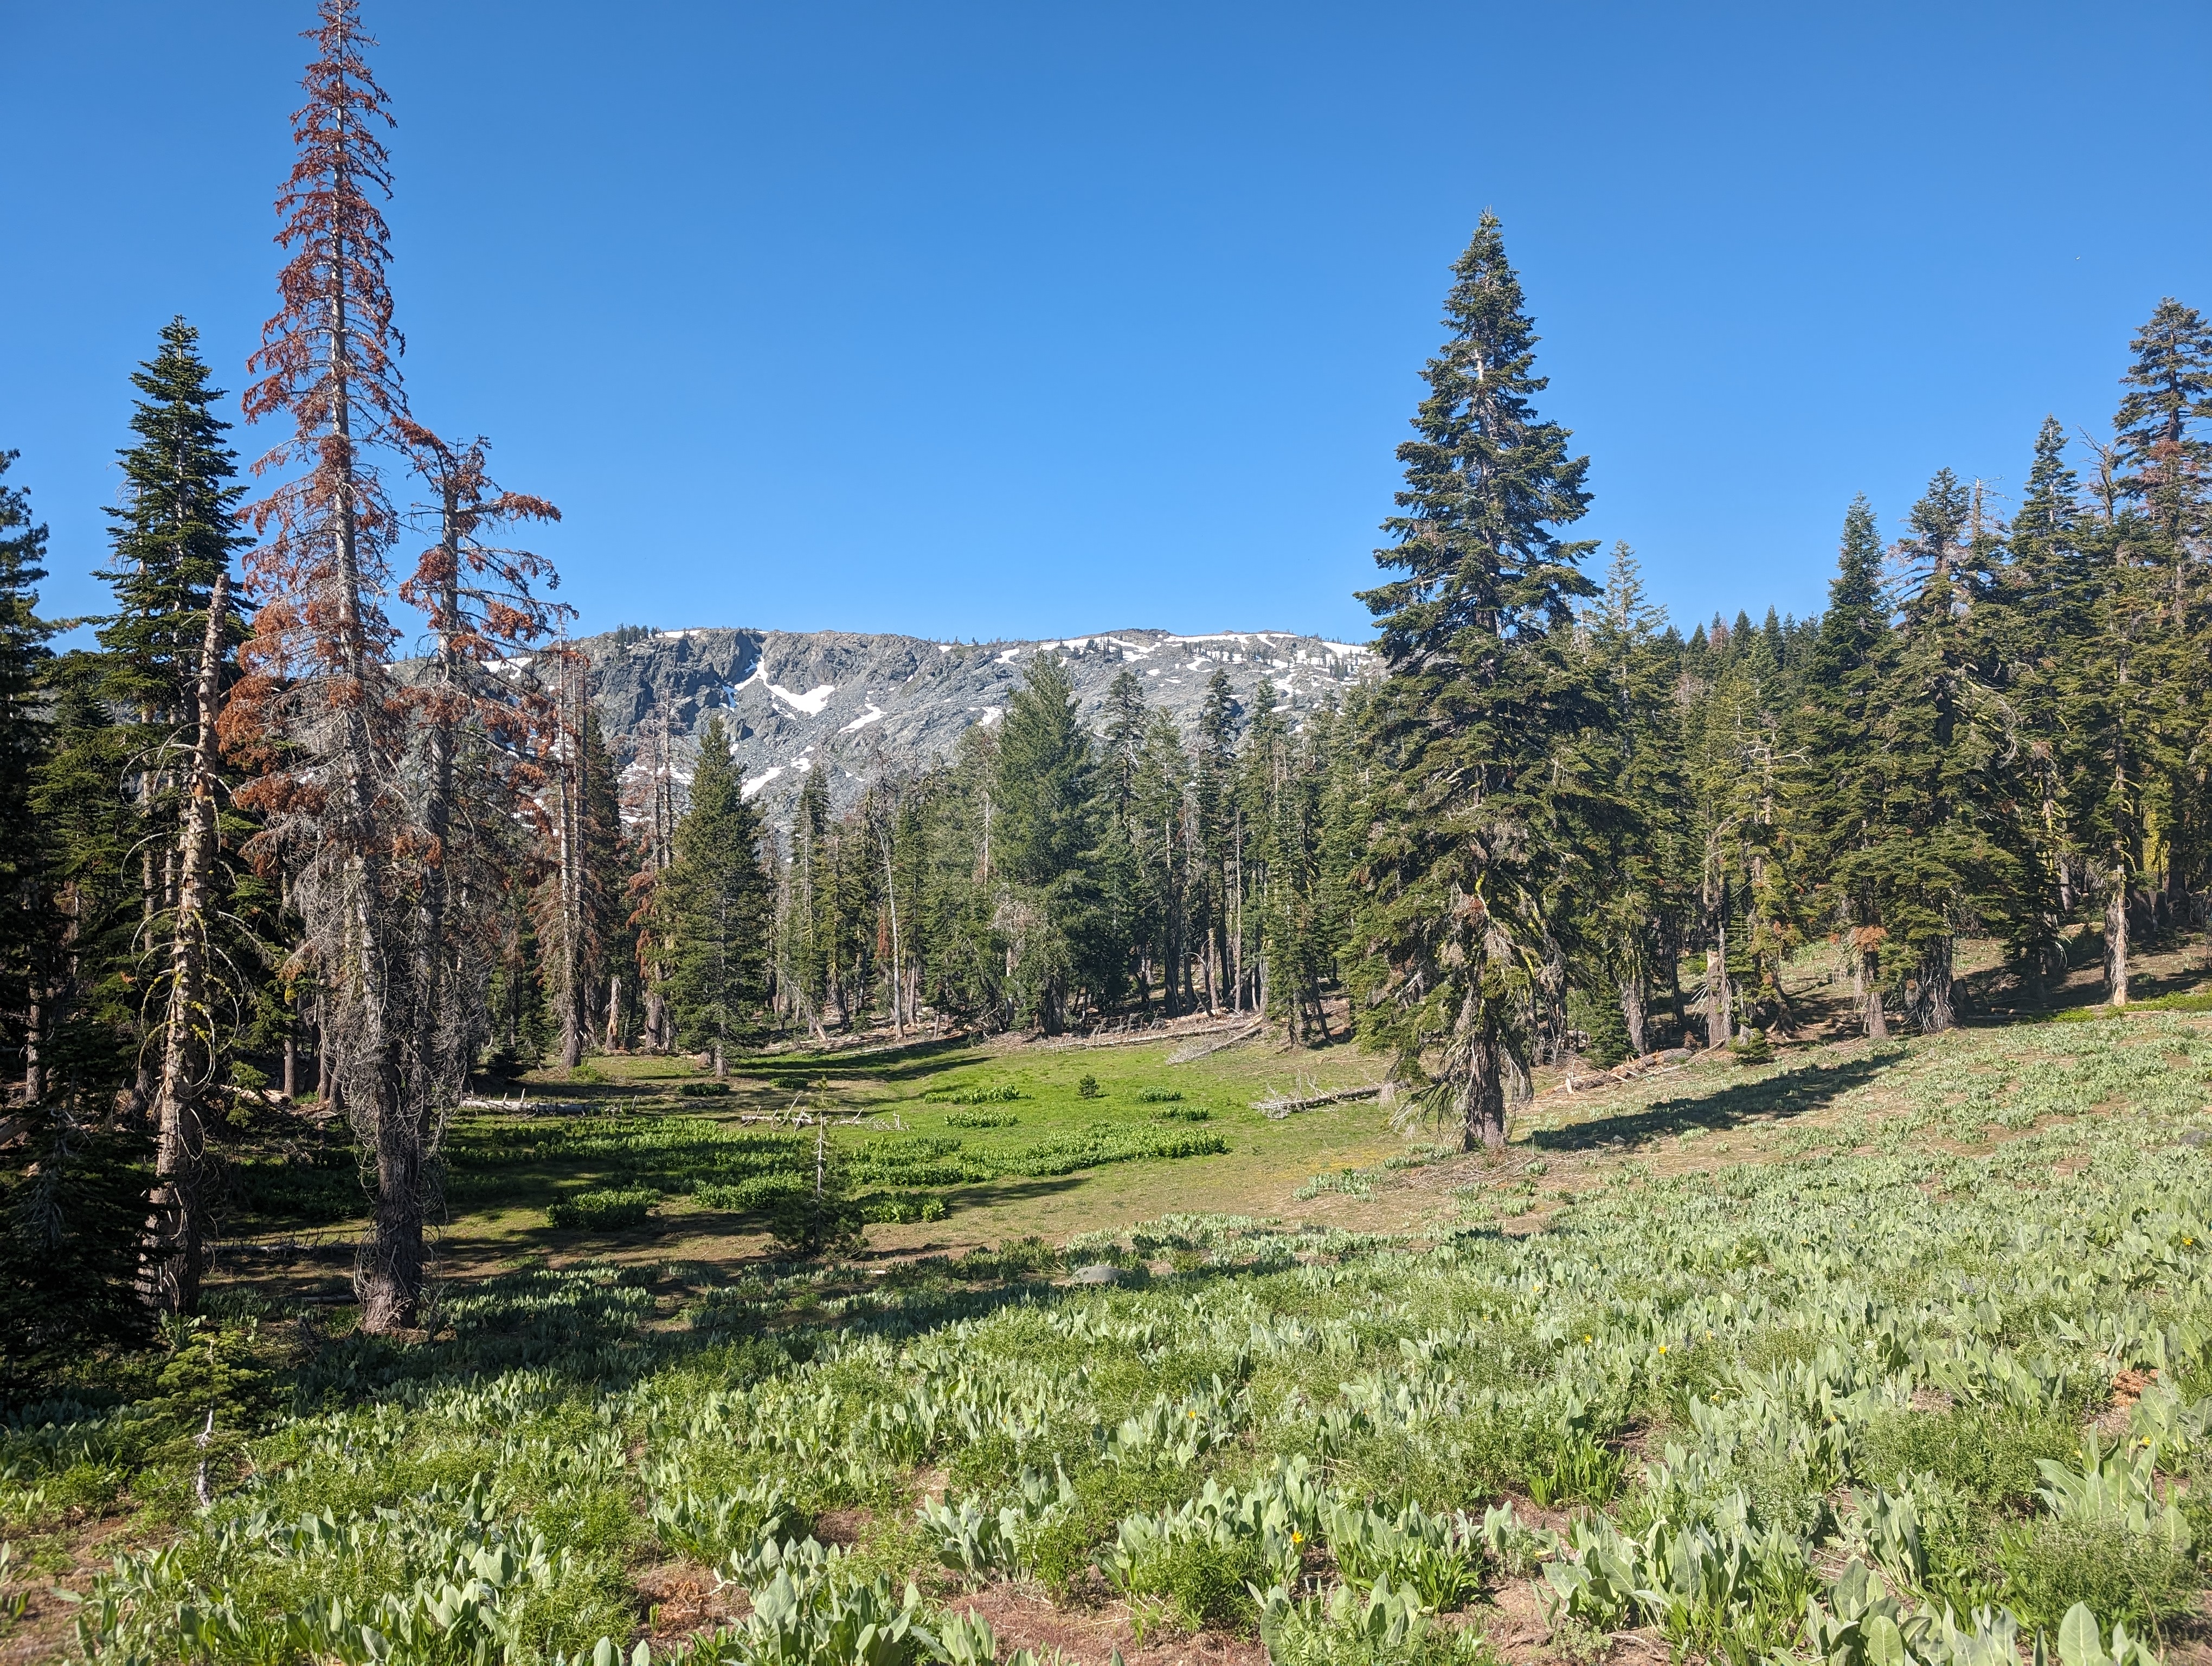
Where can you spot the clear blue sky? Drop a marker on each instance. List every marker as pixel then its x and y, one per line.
pixel 1030 320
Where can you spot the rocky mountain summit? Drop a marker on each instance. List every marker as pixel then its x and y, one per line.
pixel 858 707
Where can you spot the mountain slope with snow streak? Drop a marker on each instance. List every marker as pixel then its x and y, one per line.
pixel 856 707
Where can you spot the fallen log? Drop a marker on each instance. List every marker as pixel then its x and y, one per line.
pixel 1276 1109
pixel 1198 1049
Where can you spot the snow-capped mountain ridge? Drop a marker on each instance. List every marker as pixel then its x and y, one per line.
pixel 857 706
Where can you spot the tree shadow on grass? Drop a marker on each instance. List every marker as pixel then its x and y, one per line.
pixel 1776 1098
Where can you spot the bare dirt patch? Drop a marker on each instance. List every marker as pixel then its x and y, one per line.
pixel 1023 1617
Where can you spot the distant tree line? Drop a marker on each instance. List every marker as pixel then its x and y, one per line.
pixel 319 819
pixel 1556 816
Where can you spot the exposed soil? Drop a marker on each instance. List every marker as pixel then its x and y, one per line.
pixel 1023 1617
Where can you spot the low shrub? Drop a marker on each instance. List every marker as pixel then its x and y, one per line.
pixel 981 1118
pixel 1001 1095
pixel 1158 1096
pixel 904 1208
pixel 760 1191
pixel 604 1209
pixel 1182 1114
pixel 703 1090
pixel 1752 1047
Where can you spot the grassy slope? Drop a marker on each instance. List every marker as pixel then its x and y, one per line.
pixel 1930 1207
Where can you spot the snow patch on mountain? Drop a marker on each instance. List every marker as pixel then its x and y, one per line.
pixel 811 702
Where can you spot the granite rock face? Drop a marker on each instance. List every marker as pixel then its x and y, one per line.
pixel 858 707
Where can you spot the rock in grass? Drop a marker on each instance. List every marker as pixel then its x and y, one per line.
pixel 1098 1272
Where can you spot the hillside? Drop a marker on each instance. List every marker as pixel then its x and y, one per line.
pixel 861 706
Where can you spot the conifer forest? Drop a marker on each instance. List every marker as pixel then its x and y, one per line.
pixel 481 1185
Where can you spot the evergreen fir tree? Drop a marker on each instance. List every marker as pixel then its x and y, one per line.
pixel 718 902
pixel 1473 731
pixel 2167 460
pixel 1642 750
pixel 1937 856
pixel 1844 785
pixel 165 661
pixel 2034 630
pixel 25 917
pixel 72 1194
pixel 1049 831
pixel 2164 457
pixel 1213 760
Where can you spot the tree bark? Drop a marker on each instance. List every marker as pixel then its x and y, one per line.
pixel 1718 1026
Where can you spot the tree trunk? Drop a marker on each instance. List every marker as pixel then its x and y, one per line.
pixel 191 1060
pixel 1631 1013
pixel 1717 1030
pixel 1484 1092
pixel 1670 946
pixel 1936 1009
pixel 34 1081
pixel 2116 937
pixel 1870 978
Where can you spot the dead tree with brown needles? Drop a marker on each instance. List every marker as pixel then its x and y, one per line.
pixel 317 713
pixel 478 716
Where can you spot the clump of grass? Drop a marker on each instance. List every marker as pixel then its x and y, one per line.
pixel 1420 1155
pixel 2195 1000
pixel 1158 1096
pixel 1182 1114
pixel 2048 1566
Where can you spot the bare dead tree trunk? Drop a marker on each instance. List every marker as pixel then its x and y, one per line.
pixel 34 1079
pixel 898 960
pixel 191 1056
pixel 2116 935
pixel 1877 1026
pixel 568 878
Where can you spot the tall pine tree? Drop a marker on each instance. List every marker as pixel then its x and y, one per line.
pixel 717 908
pixel 1476 798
